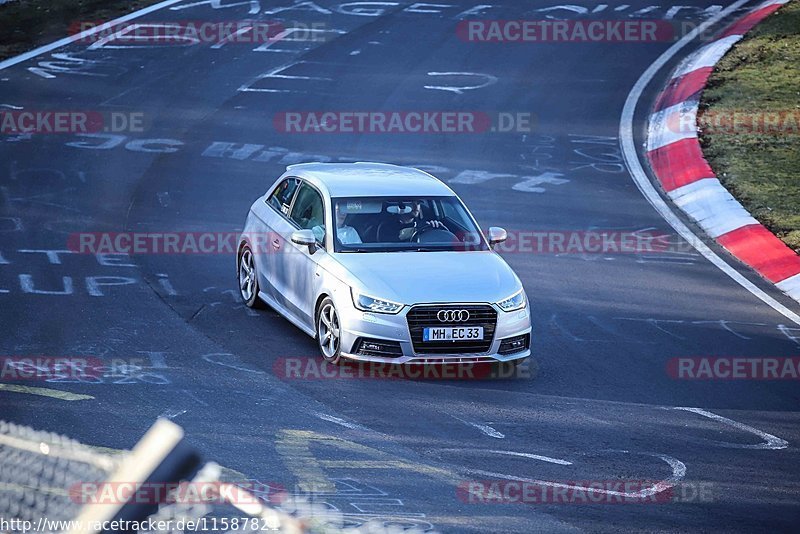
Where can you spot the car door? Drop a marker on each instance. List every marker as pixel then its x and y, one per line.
pixel 296 267
pixel 271 215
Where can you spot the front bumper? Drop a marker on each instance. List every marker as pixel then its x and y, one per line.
pixel 358 325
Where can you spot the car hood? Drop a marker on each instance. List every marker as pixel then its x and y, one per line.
pixel 420 277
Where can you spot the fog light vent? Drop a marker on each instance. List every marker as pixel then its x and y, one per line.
pixel 514 344
pixel 378 347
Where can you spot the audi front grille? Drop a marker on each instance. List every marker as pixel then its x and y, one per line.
pixel 420 317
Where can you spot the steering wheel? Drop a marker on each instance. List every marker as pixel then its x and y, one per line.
pixel 429 234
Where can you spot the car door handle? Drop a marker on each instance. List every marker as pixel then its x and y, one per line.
pixel 276 244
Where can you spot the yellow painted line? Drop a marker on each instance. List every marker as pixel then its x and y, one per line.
pixel 294 447
pixel 387 464
pixel 45 392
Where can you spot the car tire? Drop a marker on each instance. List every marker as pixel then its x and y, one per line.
pixel 329 332
pixel 248 278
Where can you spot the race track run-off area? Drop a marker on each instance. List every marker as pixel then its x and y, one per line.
pixel 624 389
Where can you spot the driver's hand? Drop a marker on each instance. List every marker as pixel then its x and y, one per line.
pixel 406 234
pixel 436 224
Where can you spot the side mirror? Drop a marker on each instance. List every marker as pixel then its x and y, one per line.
pixel 305 237
pixel 497 235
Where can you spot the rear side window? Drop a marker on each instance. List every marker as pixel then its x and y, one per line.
pixel 308 209
pixel 281 198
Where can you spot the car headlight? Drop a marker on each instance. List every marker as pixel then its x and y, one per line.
pixel 372 304
pixel 514 302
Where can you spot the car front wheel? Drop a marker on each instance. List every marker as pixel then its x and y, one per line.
pixel 329 332
pixel 248 281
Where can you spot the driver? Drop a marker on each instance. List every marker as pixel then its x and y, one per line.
pixel 409 223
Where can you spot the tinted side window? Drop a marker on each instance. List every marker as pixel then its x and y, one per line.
pixel 308 212
pixel 281 198
pixel 453 210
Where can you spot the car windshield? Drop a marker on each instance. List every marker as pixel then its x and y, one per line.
pixel 404 224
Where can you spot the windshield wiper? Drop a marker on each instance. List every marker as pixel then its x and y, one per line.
pixel 359 249
pixel 427 249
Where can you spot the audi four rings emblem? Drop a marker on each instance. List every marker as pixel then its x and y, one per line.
pixel 453 316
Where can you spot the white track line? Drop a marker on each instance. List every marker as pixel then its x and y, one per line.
pixel 770 442
pixel 486 429
pixel 489 431
pixel 172 413
pixel 84 34
pixel 641 180
pixel 339 421
pixel 678 473
pixel 533 457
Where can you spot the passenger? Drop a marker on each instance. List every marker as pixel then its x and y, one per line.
pixel 347 235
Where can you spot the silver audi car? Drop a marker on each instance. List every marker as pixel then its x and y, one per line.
pixel 382 263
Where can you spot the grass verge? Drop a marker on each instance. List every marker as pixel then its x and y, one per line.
pixel 28 24
pixel 750 123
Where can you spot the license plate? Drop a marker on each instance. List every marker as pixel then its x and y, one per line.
pixel 453 333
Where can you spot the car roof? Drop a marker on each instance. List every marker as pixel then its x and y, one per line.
pixel 365 179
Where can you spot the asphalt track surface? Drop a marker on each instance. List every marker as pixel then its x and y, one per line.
pixel 597 395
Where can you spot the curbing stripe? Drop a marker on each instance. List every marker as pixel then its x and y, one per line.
pixel 759 248
pixel 707 56
pixel 679 164
pixel 712 206
pixel 673 124
pixel 791 286
pixel 686 87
